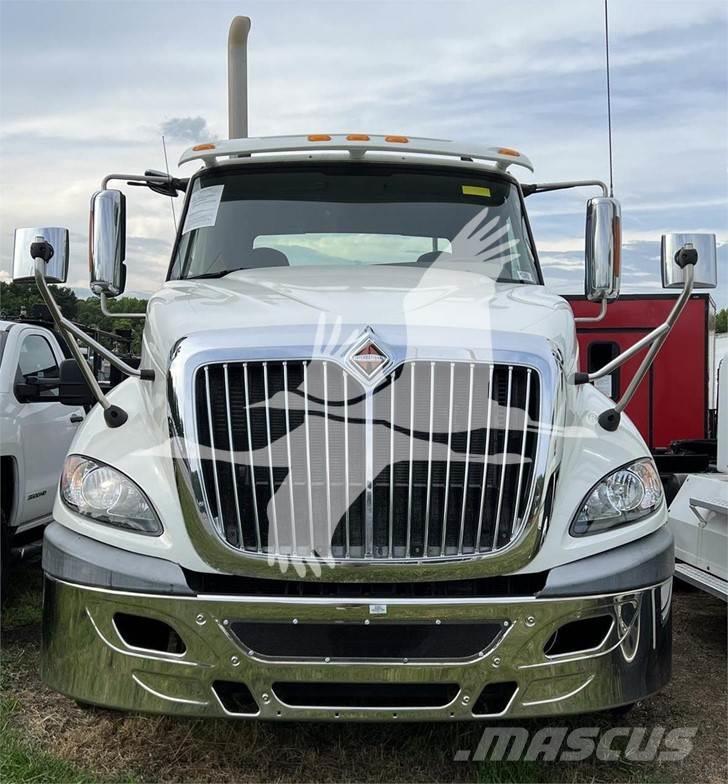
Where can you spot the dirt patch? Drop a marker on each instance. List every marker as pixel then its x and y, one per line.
pixel 113 745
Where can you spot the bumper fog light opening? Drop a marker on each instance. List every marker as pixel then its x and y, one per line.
pixel 582 636
pixel 148 634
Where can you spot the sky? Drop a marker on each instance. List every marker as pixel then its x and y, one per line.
pixel 89 88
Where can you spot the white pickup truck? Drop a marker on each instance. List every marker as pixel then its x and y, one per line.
pixel 35 432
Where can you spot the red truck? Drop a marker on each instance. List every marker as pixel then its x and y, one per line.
pixel 674 407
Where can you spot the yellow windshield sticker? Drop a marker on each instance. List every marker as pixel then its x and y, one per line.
pixel 475 190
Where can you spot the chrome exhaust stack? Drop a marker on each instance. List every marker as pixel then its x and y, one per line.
pixel 238 77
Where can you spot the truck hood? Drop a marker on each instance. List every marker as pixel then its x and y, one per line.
pixel 403 297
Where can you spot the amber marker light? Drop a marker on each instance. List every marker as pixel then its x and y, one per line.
pixel 396 139
pixel 201 147
pixel 358 137
pixel 509 151
pixel 319 137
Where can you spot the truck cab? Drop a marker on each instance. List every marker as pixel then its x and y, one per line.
pixel 358 473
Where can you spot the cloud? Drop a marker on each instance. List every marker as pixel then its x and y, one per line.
pixel 564 271
pixel 186 129
pixel 537 85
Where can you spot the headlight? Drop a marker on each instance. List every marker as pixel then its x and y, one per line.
pixel 107 496
pixel 626 495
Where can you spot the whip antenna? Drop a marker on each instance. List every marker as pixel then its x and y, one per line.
pixel 609 98
pixel 166 165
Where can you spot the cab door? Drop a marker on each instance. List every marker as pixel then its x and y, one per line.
pixel 46 428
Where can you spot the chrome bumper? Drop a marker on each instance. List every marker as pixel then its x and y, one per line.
pixel 85 657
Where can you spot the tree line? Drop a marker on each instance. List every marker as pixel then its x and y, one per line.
pixel 18 299
pixel 22 300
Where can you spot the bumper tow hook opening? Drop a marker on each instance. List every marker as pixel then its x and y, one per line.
pixel 235 697
pixel 494 698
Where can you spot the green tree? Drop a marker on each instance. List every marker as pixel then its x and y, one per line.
pixel 19 298
pixel 721 320
pixel 90 315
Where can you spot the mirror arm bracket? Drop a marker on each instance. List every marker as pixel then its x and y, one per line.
pixel 545 187
pixel 112 314
pixel 141 178
pixel 610 419
pixel 63 324
pixel 114 416
pixel 593 319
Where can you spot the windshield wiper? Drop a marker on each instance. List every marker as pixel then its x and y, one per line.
pixel 220 274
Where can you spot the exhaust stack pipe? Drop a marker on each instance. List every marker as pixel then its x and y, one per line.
pixel 238 77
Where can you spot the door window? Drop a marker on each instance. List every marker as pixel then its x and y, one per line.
pixel 37 359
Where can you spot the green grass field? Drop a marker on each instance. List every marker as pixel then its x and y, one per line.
pixel 45 737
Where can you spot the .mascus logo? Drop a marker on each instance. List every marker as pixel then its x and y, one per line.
pixel 369 358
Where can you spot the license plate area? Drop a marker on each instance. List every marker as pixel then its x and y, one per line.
pixel 371 641
pixel 366 695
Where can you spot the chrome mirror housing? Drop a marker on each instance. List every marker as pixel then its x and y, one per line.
pixel 706 270
pixel 603 249
pixel 56 270
pixel 107 243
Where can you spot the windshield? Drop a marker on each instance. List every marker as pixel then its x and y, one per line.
pixel 353 214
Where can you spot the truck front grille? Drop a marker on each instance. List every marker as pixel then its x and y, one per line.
pixel 301 459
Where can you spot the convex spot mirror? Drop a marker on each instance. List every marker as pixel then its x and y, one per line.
pixel 603 250
pixel 706 270
pixel 56 269
pixel 107 243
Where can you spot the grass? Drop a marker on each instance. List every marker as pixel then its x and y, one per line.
pixel 23 606
pixel 21 762
pixel 45 737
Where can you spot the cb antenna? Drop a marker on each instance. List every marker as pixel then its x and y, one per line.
pixel 609 98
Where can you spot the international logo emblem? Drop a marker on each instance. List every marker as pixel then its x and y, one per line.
pixel 369 358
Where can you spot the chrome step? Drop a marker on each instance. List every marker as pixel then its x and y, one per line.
pixel 704 580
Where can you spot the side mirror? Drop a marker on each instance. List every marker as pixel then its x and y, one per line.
pixel 107 243
pixel 56 270
pixel 72 388
pixel 706 270
pixel 603 249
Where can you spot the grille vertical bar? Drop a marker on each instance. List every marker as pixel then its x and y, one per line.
pixel 443 538
pixel 428 489
pixel 213 450
pixel 233 469
pixel 467 462
pixel 505 459
pixel 287 448
pixel 291 483
pixel 271 475
pixel 306 424
pixel 347 475
pixel 252 460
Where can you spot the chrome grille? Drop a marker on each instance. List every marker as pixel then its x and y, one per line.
pixel 302 459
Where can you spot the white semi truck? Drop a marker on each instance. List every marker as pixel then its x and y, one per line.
pixel 357 474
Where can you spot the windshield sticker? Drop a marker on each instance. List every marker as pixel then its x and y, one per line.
pixel 203 207
pixel 476 190
pixel 527 276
